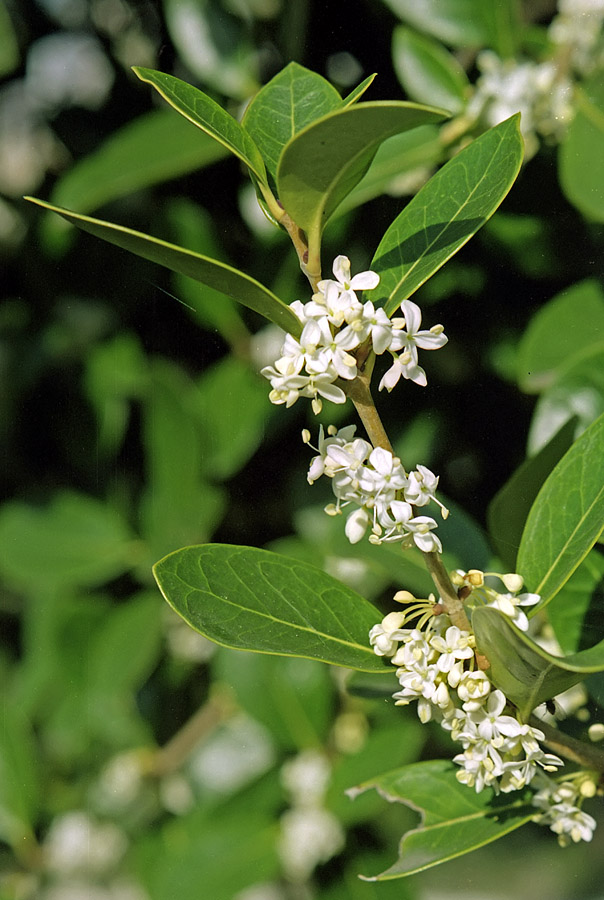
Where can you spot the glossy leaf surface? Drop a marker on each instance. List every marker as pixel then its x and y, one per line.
pixel 290 101
pixel 326 160
pixel 252 599
pixel 566 518
pixel 445 213
pixel 215 274
pixel 575 613
pixel 459 23
pixel 208 115
pixel 455 819
pixel 525 672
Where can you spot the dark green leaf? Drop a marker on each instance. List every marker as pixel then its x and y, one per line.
pixel 75 540
pixel 290 101
pixel 580 160
pixel 9 47
pixel 575 613
pixel 152 149
pixel 525 672
pixel 511 505
pixel 427 71
pixel 446 212
pixel 208 115
pixel 252 599
pixel 455 819
pixel 567 516
pixel 215 274
pixel 326 160
pixel 459 23
pixel 557 336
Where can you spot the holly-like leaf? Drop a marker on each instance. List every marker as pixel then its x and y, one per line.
pixel 253 599
pixel 326 160
pixel 455 819
pixel 580 159
pixel 427 71
pixel 445 213
pixel 566 518
pixel 208 115
pixel 509 508
pixel 215 274
pixel 525 672
pixel 290 101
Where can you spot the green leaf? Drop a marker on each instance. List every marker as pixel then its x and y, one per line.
pixel 427 71
pixel 326 160
pixel 150 150
pixel 557 334
pixel 526 673
pixel 215 274
pixel 232 430
pixel 580 157
pixel 395 166
pixel 575 613
pixel 9 47
pixel 252 599
pixel 578 393
pixel 290 101
pixel 208 115
pixel 455 819
pixel 75 540
pixel 445 213
pixel 509 508
pixel 19 787
pixel 566 518
pixel 459 23
pixel 355 95
pixel 504 25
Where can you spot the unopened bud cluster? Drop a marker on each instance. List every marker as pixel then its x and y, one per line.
pixel 375 483
pixel 335 322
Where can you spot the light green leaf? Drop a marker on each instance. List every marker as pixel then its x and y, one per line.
pixel 580 157
pixel 455 819
pixel 208 115
pixel 326 160
pixel 290 101
pixel 566 518
pixel 149 150
pixel 19 787
pixel 459 23
pixel 445 213
pixel 427 71
pixel 398 163
pixel 74 541
pixel 575 613
pixel 355 95
pixel 504 25
pixel 215 274
pixel 511 505
pixel 252 599
pixel 557 334
pixel 526 673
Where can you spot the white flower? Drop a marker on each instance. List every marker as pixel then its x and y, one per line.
pixel 403 366
pixel 384 637
pixel 472 689
pixel 508 605
pixel 340 294
pixel 453 645
pixel 421 486
pixel 421 529
pixel 356 525
pixel 412 337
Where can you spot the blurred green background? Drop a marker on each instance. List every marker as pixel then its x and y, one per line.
pixel 137 760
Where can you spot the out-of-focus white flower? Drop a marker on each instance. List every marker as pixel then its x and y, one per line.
pixel 77 842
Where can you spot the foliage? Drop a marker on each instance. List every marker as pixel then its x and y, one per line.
pixel 136 428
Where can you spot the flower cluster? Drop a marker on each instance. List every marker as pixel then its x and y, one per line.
pixel 376 483
pixel 508 603
pixel 560 805
pixel 436 666
pixel 577 30
pixel 334 323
